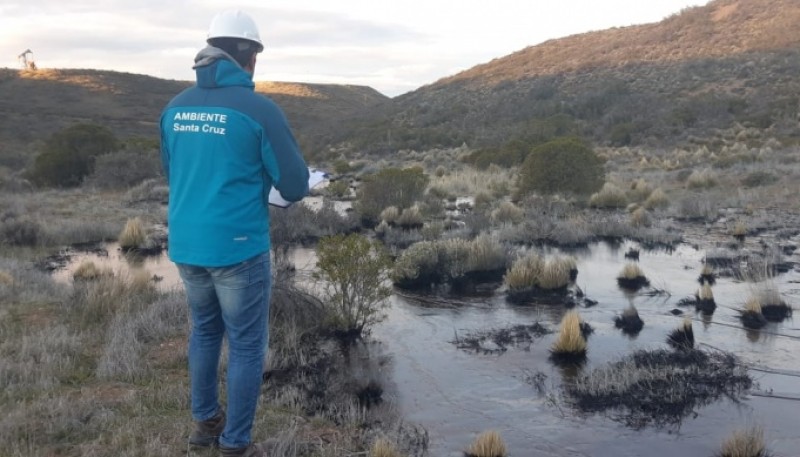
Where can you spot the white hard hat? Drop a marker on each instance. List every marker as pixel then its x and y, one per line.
pixel 235 24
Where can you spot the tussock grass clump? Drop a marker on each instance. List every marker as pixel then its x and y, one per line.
pixel 525 272
pixel 640 190
pixel 658 387
pixel 483 259
pixel 570 346
pixel 133 236
pixel 6 279
pixel 657 200
pixel 390 215
pixel 556 274
pixel 702 179
pixel 88 271
pixel 410 218
pixel 508 213
pixel 751 314
pixel 487 444
pixel 96 302
pixel 773 307
pixel 739 230
pixel 383 448
pixel 632 277
pixel 609 196
pixel 640 218
pixel 745 443
pixel 629 321
pixel 682 338
pixel 705 299
pixel 417 266
pixel 486 254
pixel 707 275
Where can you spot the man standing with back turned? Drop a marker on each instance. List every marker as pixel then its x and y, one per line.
pixel 223 146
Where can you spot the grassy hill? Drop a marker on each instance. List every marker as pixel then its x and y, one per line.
pixel 702 69
pixel 34 104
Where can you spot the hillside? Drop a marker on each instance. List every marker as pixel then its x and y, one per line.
pixel 658 84
pixel 36 104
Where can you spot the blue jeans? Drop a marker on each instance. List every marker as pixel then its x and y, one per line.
pixel 232 300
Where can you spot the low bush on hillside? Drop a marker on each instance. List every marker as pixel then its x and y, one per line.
pixel 564 165
pixel 389 187
pixel 125 168
pixel 69 155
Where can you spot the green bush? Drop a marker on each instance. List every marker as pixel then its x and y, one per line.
pixel 353 270
pixel 338 189
pixel 69 155
pixel 759 178
pixel 389 187
pixel 566 165
pixel 124 169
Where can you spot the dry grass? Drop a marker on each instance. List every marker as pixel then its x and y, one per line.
pixel 6 279
pixel 525 271
pixel 390 215
pixel 657 200
pixel 487 444
pixel 640 218
pixel 410 217
pixel 631 271
pixel 745 443
pixel 555 274
pixel 383 448
pixel 133 236
pixel 705 292
pixel 752 305
pixel 702 179
pixel 610 196
pixel 570 339
pixel 507 213
pixel 739 229
pixel 88 271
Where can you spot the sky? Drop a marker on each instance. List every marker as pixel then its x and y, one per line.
pixel 392 46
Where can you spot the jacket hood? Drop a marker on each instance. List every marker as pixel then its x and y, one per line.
pixel 216 68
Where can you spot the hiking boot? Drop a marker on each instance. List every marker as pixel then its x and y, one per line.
pixel 254 450
pixel 207 432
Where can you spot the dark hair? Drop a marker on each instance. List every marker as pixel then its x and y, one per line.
pixel 241 50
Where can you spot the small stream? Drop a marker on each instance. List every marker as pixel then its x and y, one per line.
pixel 456 394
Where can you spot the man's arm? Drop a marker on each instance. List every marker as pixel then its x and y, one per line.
pixel 281 146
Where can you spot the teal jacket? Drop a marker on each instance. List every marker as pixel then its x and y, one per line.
pixel 223 147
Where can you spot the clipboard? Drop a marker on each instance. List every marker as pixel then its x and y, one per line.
pixel 314 178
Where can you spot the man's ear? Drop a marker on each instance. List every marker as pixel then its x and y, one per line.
pixel 251 66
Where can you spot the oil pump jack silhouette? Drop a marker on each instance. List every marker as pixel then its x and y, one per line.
pixel 27 62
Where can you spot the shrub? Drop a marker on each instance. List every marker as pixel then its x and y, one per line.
pixel 390 186
pixel 640 190
pixel 759 178
pixel 69 155
pixel 507 212
pixel 610 196
pixel 123 169
pixel 21 232
pixel 338 189
pixel 353 269
pixel 562 165
pixel 418 263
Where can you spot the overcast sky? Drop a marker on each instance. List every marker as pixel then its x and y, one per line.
pixel 393 46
